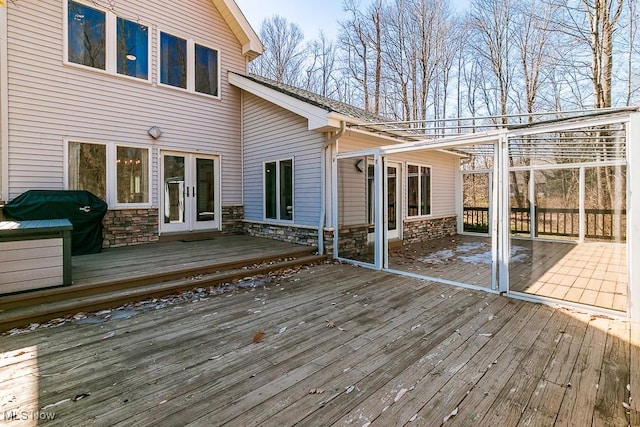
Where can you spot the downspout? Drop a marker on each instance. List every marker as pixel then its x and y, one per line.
pixel 330 141
pixel 4 105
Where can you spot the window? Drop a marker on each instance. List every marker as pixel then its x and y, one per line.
pixel 87 168
pixel 94 167
pixel 278 190
pixel 206 70
pixel 173 61
pixel 87 35
pixel 98 39
pixel 132 180
pixel 419 190
pixel 188 65
pixel 133 49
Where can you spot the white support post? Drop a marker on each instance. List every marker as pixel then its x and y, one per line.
pixel 4 105
pixel 378 217
pixel 385 214
pixel 334 204
pixel 581 203
pixel 533 223
pixel 459 198
pixel 504 216
pixel 633 216
pixel 494 185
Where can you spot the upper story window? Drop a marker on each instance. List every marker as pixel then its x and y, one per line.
pixel 188 65
pixel 101 40
pixel 86 35
pixel 206 64
pixel 133 49
pixel 173 60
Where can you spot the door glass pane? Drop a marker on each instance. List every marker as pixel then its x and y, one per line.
pixel 370 194
pixel 133 49
pixel 270 190
pixel 205 190
pixel 286 189
pixel 88 168
pixel 412 190
pixel 132 175
pixel 391 197
pixel 425 190
pixel 174 189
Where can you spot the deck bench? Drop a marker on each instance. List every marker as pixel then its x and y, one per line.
pixel 34 254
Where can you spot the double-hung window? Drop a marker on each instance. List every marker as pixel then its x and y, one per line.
pixel 101 40
pixel 419 190
pixel 117 174
pixel 188 65
pixel 278 190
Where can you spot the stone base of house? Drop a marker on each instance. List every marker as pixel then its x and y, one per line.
pixel 423 229
pixel 233 219
pixel 353 241
pixel 126 227
pixel 287 233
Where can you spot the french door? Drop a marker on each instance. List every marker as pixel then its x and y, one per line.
pixel 392 199
pixel 190 195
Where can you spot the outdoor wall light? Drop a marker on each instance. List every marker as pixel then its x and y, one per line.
pixel 154 132
pixel 360 165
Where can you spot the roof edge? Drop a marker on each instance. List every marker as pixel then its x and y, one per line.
pixel 252 47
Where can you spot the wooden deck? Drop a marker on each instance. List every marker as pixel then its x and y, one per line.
pixel 592 274
pixel 161 258
pixel 342 345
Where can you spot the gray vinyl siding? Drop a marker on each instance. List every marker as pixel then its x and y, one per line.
pixel 50 102
pixel 443 179
pixel 272 133
pixel 352 193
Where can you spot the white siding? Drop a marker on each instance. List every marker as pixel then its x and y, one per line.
pixel 352 193
pixel 273 133
pixel 50 101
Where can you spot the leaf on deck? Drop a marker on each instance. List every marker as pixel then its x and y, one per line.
pixel 258 337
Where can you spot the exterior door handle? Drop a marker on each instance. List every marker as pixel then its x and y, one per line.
pixel 187 191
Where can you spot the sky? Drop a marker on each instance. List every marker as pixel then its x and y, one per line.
pixel 310 15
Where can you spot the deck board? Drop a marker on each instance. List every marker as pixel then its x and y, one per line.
pixel 412 350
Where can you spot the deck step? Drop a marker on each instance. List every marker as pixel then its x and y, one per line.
pixel 78 290
pixel 102 297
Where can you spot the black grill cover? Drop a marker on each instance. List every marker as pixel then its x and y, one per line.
pixel 83 209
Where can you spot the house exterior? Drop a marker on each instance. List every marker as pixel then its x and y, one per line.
pixel 290 140
pixel 150 107
pixel 129 100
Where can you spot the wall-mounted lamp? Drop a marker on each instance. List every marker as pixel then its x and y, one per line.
pixel 154 132
pixel 360 165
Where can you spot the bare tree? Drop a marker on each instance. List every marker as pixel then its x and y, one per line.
pixel 284 54
pixel 321 68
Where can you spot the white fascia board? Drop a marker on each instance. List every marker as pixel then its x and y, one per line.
pixel 252 47
pixel 318 118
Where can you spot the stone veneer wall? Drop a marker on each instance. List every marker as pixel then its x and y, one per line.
pixel 287 233
pixel 352 241
pixel 126 227
pixel 232 219
pixel 420 230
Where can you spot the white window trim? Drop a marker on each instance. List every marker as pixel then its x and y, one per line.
pixel 191 64
pixel 111 47
pixel 111 170
pixel 293 192
pixel 421 215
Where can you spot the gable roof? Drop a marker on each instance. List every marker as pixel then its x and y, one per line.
pixel 322 113
pixel 251 45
